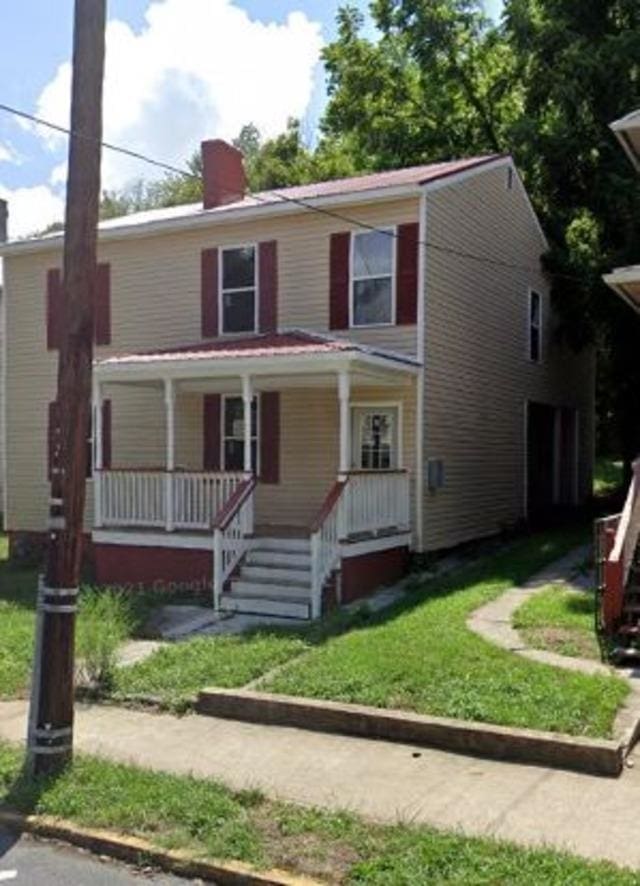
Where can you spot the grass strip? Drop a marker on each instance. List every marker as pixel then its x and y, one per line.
pixel 210 821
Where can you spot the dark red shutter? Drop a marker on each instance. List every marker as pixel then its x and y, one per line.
pixel 211 428
pixel 53 435
pixel 268 283
pixel 339 281
pixel 106 434
pixel 209 292
pixel 407 274
pixel 102 309
pixel 270 437
pixel 54 308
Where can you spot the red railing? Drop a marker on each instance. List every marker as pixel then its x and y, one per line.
pixel 616 542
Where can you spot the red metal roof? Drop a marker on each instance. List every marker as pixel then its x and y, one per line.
pixel 268 345
pixel 413 175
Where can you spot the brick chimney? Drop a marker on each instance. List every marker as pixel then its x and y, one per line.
pixel 223 175
pixel 4 218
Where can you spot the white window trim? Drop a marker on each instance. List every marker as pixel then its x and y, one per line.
pixel 531 326
pixel 224 437
pixel 393 229
pixel 381 405
pixel 256 288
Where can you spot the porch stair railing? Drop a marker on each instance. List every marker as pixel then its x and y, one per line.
pixel 616 543
pixel 362 504
pixel 326 532
pixel 232 534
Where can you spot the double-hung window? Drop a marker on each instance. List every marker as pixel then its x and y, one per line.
pixel 239 289
pixel 233 434
pixel 372 278
pixel 535 326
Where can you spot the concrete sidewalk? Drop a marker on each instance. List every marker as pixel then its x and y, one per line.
pixel 584 814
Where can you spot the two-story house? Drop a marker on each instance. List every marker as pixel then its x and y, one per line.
pixel 295 389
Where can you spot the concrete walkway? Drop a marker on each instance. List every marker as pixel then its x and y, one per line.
pixel 387 782
pixel 494 622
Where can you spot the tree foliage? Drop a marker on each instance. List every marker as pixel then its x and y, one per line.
pixel 441 80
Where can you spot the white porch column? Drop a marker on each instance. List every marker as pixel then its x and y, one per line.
pixel 247 400
pixel 97 452
pixel 344 396
pixel 169 403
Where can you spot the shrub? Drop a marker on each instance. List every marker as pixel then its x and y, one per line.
pixel 105 620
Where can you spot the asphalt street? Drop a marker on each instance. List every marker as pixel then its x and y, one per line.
pixel 25 861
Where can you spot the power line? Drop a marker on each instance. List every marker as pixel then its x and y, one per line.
pixel 260 198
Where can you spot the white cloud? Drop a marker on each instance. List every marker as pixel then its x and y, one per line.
pixel 31 209
pixel 8 154
pixel 198 69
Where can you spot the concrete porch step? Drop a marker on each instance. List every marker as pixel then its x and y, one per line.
pixel 286 545
pixel 270 589
pixel 286 559
pixel 275 605
pixel 279 573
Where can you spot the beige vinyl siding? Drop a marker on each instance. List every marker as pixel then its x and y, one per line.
pixel 155 303
pixel 478 375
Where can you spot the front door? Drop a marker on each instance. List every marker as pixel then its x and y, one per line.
pixel 375 438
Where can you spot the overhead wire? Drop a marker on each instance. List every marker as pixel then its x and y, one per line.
pixel 268 200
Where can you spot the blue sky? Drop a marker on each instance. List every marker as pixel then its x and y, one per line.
pixel 158 70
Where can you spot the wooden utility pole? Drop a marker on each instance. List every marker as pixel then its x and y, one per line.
pixel 51 718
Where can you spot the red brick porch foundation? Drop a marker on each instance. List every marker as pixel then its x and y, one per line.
pixel 364 574
pixel 170 570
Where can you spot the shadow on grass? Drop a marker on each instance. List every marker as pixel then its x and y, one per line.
pixel 23 796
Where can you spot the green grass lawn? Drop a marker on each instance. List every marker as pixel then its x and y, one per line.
pixel 17 601
pixel 421 657
pixel 607 476
pixel 176 673
pixel 418 656
pixel 209 820
pixel 561 620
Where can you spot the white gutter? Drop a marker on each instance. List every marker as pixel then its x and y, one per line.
pixel 119 370
pixel 211 218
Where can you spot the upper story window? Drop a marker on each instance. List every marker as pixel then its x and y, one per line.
pixel 239 288
pixel 535 326
pixel 372 278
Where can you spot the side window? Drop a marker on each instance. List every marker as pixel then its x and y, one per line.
pixel 535 326
pixel 233 434
pixel 372 273
pixel 239 289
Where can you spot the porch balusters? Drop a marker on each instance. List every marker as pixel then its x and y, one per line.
pixel 170 403
pixel 97 453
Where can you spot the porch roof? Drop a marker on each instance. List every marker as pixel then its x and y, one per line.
pixel 627 130
pixel 277 353
pixel 626 282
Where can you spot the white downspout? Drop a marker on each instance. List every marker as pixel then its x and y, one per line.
pixel 420 381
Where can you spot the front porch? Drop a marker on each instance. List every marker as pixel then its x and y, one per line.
pixel 309 492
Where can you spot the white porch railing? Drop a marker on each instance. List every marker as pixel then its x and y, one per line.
pixel 154 499
pixel 231 536
pixel 198 498
pixel 377 501
pixel 130 498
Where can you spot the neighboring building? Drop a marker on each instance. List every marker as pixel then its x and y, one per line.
pixel 626 281
pixel 392 352
pixel 617 537
pixel 4 217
